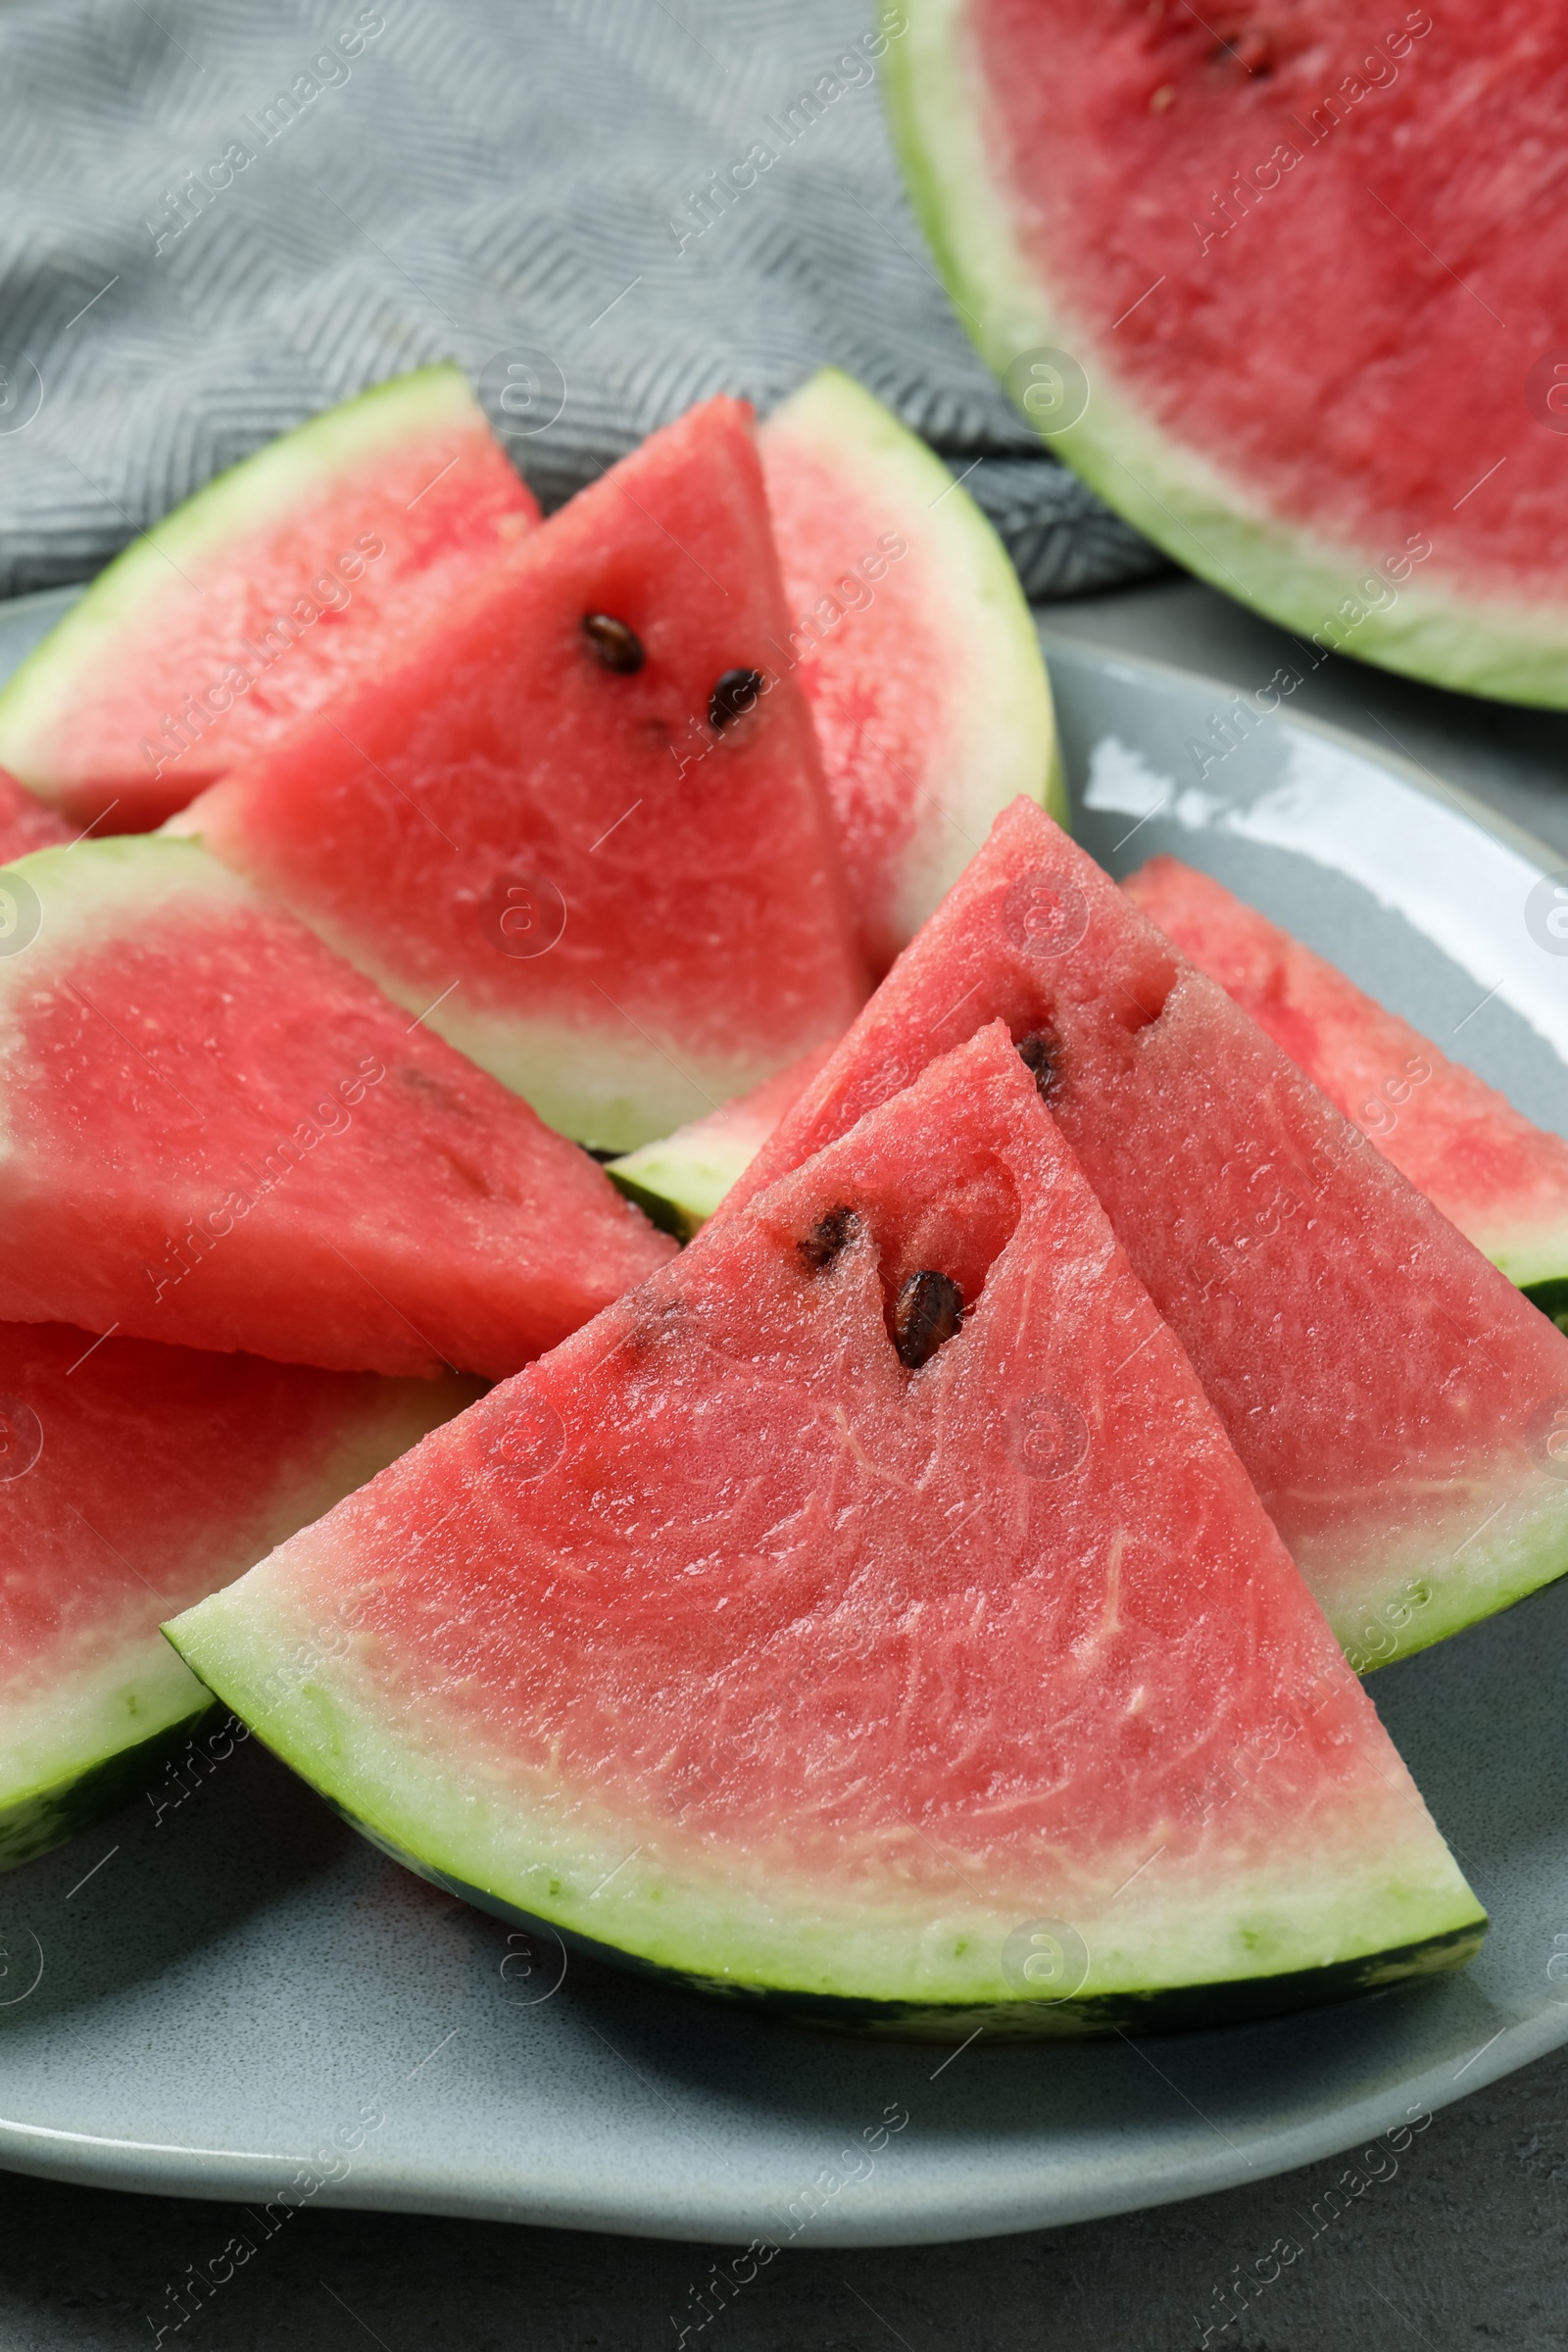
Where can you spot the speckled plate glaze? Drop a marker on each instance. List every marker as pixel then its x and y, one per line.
pixel 222 1992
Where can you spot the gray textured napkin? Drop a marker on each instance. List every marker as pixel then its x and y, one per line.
pixel 217 218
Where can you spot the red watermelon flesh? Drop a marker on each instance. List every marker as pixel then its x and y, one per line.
pixel 26 823
pixel 219 1134
pixel 1398 1404
pixel 1302 259
pixel 912 1696
pixel 1500 1179
pixel 134 1480
pixel 613 892
pixel 255 599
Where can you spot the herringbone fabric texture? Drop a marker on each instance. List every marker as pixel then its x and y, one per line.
pixel 217 218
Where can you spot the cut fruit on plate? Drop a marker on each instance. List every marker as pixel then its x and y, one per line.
pixel 680 1180
pixel 1400 1408
pixel 1503 1182
pixel 1394 486
pixel 255 600
pixel 26 824
pixel 879 1678
pixel 573 826
pixel 135 1478
pixel 913 645
pixel 220 1135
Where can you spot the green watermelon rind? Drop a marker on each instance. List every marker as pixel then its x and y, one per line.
pixel 289 1682
pixel 1208 522
pixel 1175 2009
pixel 1550 1295
pixel 1007 718
pixel 1537 1265
pixel 679 1181
pixel 33 1821
pixel 258 492
pixel 1494 1577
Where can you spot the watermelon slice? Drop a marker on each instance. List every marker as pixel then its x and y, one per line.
pixel 1400 1407
pixel 135 1478
pixel 258 598
pixel 915 649
pixel 219 1134
pixel 680 1180
pixel 574 823
pixel 732 1641
pixel 1500 1179
pixel 26 823
pixel 1283 285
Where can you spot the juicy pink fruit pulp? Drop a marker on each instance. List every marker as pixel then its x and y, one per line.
pixel 1492 1172
pixel 26 824
pixel 131 1474
pixel 1367 1362
pixel 296 606
pixel 223 1136
pixel 865 647
pixel 722 1566
pixel 1356 347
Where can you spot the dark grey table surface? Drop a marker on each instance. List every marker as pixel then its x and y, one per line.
pixel 1466 2243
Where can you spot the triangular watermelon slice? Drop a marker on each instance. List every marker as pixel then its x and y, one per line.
pixel 934 1686
pixel 136 1479
pixel 1400 1408
pixel 1500 1179
pixel 218 1134
pixel 913 645
pixel 26 823
pixel 255 599
pixel 575 820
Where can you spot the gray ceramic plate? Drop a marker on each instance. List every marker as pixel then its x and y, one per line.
pixel 200 1996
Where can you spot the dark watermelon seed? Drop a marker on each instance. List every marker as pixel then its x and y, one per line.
pixel 612 644
pixel 828 1236
pixel 928 1311
pixel 1037 1052
pixel 734 695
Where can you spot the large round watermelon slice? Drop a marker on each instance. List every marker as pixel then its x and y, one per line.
pixel 135 1478
pixel 932 1683
pixel 579 822
pixel 1400 1408
pixel 1501 1180
pixel 1283 284
pixel 258 598
pixel 915 647
pixel 218 1134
